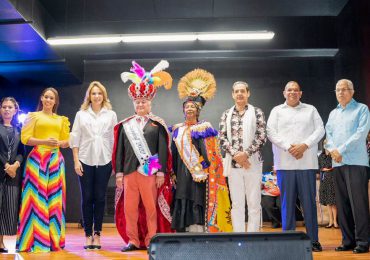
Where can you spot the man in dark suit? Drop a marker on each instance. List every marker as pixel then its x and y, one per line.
pixel 141 157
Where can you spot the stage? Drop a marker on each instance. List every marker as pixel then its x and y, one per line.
pixel 112 244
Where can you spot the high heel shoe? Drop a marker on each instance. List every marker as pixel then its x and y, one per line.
pixel 3 250
pixel 329 226
pixel 96 242
pixel 89 241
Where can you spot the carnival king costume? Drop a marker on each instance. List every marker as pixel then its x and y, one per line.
pixel 140 151
pixel 201 191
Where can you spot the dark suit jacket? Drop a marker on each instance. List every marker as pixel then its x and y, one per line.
pixel 16 155
pixel 156 138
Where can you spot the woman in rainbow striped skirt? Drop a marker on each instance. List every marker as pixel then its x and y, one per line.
pixel 42 213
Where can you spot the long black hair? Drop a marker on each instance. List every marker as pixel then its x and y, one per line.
pixel 56 94
pixel 14 121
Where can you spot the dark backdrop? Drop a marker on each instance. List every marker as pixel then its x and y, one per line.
pixel 266 77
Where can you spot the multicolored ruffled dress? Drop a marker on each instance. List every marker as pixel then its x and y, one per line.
pixel 43 200
pixel 201 191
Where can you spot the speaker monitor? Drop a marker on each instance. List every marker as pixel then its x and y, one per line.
pixel 231 246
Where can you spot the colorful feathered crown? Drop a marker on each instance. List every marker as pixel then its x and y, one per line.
pixel 145 84
pixel 197 86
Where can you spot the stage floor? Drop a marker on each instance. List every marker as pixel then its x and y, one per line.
pixel 112 243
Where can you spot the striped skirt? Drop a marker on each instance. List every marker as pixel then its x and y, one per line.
pixel 9 210
pixel 42 213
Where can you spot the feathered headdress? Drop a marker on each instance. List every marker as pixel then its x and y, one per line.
pixel 145 84
pixel 197 86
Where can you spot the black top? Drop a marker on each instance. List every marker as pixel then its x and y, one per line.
pixel 10 140
pixel 156 138
pixel 325 161
pixel 186 188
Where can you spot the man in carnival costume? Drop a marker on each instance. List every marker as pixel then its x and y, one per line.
pixel 242 135
pixel 141 159
pixel 202 201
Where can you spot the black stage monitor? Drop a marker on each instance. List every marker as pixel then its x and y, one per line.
pixel 289 245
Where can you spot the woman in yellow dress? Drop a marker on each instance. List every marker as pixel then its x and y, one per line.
pixel 42 214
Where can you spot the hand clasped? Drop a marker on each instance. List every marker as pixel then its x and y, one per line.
pixel 297 150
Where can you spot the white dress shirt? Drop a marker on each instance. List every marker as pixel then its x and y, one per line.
pixel 141 121
pixel 93 134
pixel 294 125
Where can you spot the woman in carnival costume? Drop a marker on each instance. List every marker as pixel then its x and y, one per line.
pixel 202 201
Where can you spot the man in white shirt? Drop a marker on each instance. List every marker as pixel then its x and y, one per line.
pixel 294 129
pixel 242 135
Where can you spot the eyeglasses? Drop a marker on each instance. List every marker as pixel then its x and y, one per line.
pixel 342 90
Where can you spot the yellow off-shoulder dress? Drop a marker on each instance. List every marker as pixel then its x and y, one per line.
pixel 42 213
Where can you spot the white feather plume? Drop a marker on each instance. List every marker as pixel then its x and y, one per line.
pixel 162 65
pixel 125 76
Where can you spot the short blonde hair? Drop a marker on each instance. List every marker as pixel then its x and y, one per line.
pixel 87 101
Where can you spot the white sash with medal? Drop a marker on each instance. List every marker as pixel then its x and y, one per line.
pixel 139 145
pixel 189 154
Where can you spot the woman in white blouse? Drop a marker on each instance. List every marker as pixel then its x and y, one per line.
pixel 92 144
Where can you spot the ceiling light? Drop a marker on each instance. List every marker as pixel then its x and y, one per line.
pixel 166 37
pixel 159 38
pixel 228 36
pixel 84 40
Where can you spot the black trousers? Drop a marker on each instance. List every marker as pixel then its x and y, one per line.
pixel 93 185
pixel 271 205
pixel 351 194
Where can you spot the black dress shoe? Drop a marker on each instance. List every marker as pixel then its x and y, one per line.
pixel 276 224
pixel 316 246
pixel 344 248
pixel 3 250
pixel 88 247
pixel 361 249
pixel 130 247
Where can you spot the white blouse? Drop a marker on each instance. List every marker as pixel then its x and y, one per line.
pixel 93 134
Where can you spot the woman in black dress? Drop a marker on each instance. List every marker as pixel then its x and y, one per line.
pixel 11 156
pixel 326 190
